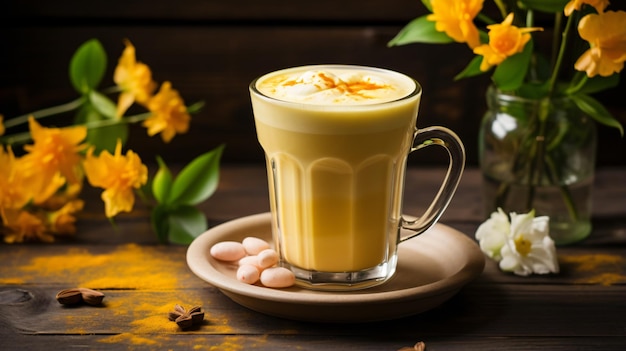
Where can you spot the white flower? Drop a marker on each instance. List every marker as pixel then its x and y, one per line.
pixel 522 246
pixel 492 234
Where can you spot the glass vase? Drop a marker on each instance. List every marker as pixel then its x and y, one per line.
pixel 539 154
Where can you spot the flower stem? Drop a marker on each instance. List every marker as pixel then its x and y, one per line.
pixel 559 58
pixel 46 112
pixel 501 7
pixel 564 189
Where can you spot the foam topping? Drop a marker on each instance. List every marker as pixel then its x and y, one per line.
pixel 340 86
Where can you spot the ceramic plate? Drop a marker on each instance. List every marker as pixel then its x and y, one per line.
pixel 431 268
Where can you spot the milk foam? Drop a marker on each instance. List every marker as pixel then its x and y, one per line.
pixel 330 85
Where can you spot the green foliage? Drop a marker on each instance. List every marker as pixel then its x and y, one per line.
pixel 473 69
pixel 510 74
pixel 175 219
pixel 597 111
pixel 87 66
pixel 420 30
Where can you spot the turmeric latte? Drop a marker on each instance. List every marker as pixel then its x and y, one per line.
pixel 336 140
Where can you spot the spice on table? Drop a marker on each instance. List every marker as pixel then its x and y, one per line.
pixel 75 296
pixel 186 319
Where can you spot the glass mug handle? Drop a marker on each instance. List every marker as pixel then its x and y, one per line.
pixel 450 141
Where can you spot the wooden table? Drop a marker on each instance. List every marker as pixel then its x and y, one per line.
pixel 582 308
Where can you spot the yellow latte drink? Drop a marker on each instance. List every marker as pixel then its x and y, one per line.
pixel 336 140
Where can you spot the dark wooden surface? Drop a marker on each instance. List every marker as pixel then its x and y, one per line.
pixel 212 50
pixel 581 308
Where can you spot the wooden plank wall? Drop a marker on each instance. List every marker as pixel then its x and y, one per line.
pixel 211 50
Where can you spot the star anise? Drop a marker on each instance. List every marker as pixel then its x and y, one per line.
pixel 184 318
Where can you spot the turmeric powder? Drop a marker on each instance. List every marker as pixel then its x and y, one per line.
pixel 144 285
pixel 605 269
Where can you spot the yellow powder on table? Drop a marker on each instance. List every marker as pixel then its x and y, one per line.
pixel 144 284
pixel 127 267
pixel 606 269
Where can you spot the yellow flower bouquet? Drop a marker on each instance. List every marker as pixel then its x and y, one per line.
pixel 506 48
pixel 537 139
pixel 40 190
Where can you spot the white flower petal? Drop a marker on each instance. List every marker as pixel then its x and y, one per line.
pixel 492 234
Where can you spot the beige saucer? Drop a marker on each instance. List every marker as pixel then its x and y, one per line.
pixel 431 268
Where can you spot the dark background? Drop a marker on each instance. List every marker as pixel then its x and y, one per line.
pixel 212 50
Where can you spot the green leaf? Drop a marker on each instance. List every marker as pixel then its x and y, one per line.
pixel 420 30
pixel 550 6
pixel 473 69
pixel 185 224
pixel 195 108
pixel 593 85
pixel 510 74
pixel 162 182
pixel 159 219
pixel 103 104
pixel 597 111
pixel 428 5
pixel 87 66
pixel 198 180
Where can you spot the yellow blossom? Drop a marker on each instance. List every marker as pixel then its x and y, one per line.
pixel 118 175
pixel 576 5
pixel 134 78
pixel 15 189
pixel 23 226
pixel 55 150
pixel 60 198
pixel 456 19
pixel 169 114
pixel 505 40
pixel 606 34
pixel 62 221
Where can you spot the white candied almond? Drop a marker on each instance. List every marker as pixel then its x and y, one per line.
pixel 248 274
pixel 228 251
pixel 250 260
pixel 277 277
pixel 267 258
pixel 254 245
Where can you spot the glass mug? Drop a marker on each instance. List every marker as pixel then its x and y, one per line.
pixel 336 140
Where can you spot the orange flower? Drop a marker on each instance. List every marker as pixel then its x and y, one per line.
pixel 576 5
pixel 169 114
pixel 505 40
pixel 134 78
pixel 606 34
pixel 15 189
pixel 455 18
pixel 62 221
pixel 23 226
pixel 55 150
pixel 118 175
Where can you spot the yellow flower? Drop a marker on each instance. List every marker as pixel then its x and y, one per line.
pixel 15 189
pixel 118 175
pixel 505 40
pixel 134 78
pixel 576 5
pixel 606 34
pixel 1 125
pixel 455 18
pixel 23 226
pixel 53 159
pixel 62 221
pixel 169 114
